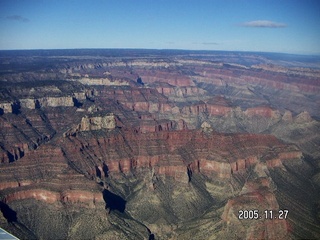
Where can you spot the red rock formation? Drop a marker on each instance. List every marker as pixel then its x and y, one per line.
pixel 5 185
pixel 262 111
pixel 38 194
pixel 215 110
pixel 182 92
pixel 171 78
pixel 146 150
pixel 243 164
pixel 259 198
pixel 82 196
pixel 85 198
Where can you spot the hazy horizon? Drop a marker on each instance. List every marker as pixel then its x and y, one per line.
pixel 166 49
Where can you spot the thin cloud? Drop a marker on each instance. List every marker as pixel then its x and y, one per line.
pixel 210 43
pixel 264 24
pixel 18 18
pixel 206 43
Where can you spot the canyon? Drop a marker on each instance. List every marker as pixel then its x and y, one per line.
pixel 158 144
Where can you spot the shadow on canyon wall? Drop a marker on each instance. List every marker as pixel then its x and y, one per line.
pixel 113 201
pixel 8 213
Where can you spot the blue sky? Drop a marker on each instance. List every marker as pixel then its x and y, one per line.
pixel 270 26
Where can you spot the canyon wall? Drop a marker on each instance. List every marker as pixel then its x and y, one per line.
pixel 166 147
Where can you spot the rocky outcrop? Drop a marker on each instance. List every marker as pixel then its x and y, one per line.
pixel 32 103
pixel 262 111
pixel 29 103
pixel 206 127
pixel 56 102
pixel 90 123
pixel 6 107
pixel 97 123
pixel 102 81
pixel 82 197
pixel 287 116
pixel 303 117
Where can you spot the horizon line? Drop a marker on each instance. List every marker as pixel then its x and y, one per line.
pixel 164 49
